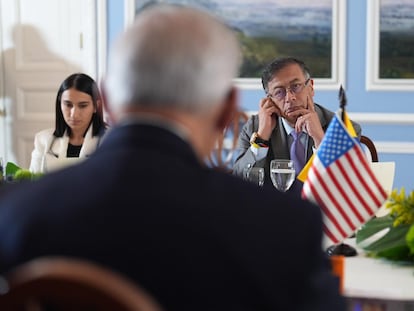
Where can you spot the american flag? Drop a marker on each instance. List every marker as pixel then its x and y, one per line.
pixel 340 181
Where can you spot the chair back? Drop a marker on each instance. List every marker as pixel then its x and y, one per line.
pixel 369 144
pixel 67 284
pixel 222 156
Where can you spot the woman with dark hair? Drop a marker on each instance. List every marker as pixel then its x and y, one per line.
pixel 78 129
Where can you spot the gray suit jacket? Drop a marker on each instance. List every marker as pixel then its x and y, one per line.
pixel 279 148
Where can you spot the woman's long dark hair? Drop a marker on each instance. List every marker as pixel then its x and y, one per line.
pixel 83 83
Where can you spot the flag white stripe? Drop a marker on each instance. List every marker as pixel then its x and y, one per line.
pixel 320 190
pixel 360 185
pixel 346 226
pixel 348 190
pixel 374 188
pixel 366 185
pixel 347 194
pixel 358 182
pixel 335 233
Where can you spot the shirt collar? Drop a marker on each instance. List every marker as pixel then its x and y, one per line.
pixel 287 127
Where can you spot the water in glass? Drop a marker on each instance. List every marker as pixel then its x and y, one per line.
pixel 282 174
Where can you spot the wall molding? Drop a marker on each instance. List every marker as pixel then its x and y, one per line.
pixel 394 147
pixel 383 118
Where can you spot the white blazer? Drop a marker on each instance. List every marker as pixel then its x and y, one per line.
pixel 50 151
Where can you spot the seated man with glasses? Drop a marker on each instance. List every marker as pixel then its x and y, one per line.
pixel 289 125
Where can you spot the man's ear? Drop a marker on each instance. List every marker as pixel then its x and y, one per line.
pixel 229 109
pixel 312 87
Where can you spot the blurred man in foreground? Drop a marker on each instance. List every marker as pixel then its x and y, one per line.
pixel 145 204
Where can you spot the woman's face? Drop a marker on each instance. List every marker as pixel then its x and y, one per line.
pixel 77 108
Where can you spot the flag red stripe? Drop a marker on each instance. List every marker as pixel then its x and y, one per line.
pixel 356 192
pixel 343 194
pixel 363 180
pixel 344 174
pixel 322 204
pixel 329 234
pixel 334 200
pixel 373 178
pixel 333 205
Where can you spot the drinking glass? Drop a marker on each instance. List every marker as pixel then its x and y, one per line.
pixel 254 175
pixel 282 174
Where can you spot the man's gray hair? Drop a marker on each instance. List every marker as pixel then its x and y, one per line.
pixel 173 57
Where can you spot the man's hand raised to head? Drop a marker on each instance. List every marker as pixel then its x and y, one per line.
pixel 308 121
pixel 268 114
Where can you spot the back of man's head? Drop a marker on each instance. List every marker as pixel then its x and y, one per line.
pixel 172 57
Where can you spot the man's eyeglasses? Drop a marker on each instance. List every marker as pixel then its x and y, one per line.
pixel 279 93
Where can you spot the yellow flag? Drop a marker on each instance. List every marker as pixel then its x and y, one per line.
pixel 304 172
pixel 349 126
pixel 303 175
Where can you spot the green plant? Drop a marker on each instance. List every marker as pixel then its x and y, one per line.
pixel 395 230
pixel 17 173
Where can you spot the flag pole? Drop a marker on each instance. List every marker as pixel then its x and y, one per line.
pixel 342 248
pixel 342 102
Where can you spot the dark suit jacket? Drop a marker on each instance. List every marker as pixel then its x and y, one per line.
pixel 279 148
pixel 195 238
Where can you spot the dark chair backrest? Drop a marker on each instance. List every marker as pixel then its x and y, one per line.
pixel 370 146
pixel 222 156
pixel 67 284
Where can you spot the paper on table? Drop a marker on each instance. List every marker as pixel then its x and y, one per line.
pixel 54 164
pixel 385 172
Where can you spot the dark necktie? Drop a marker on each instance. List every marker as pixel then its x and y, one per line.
pixel 297 152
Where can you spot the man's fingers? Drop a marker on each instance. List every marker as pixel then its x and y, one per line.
pixel 266 102
pixel 299 124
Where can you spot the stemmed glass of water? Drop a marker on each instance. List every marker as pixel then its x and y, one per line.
pixel 282 174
